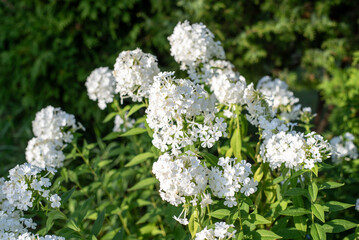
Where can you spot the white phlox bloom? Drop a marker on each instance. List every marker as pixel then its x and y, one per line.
pixel 279 97
pixel 53 123
pixel 357 204
pixel 134 72
pixel 31 236
pixel 101 86
pixel 181 113
pixel 257 106
pixel 227 85
pixel 343 148
pixel 43 153
pixel 25 184
pixel 231 177
pixel 12 222
pixel 294 150
pixel 194 44
pixel 180 177
pixel 53 129
pixel 123 124
pixel 220 232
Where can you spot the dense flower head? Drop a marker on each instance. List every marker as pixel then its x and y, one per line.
pixel 220 232
pixel 294 150
pixel 276 92
pixel 257 106
pixel 180 177
pixel 25 184
pixel 31 236
pixel 101 86
pixel 134 72
pixel 45 153
pixel 227 85
pixel 231 177
pixel 181 113
pixel 343 148
pixel 53 129
pixel 123 124
pixel 53 123
pixel 194 44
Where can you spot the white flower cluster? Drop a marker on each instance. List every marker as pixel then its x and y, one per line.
pixel 181 113
pixel 134 72
pixel 294 150
pixel 227 85
pixel 31 236
pixel 123 124
pixel 101 86
pixel 194 44
pixel 343 148
pixel 180 177
pixel 53 129
pixel 17 195
pixel 232 178
pixel 220 232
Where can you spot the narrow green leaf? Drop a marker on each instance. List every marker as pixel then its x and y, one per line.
pixel 109 117
pixel 144 183
pixel 236 143
pixel 53 215
pixel 104 163
pixel 210 158
pixel 290 233
pixel 317 232
pixel 296 192
pixel 66 196
pixel 258 219
pixel 119 235
pixel 112 136
pixel 262 234
pixel 295 212
pixel 98 223
pixel 140 158
pixel 334 206
pixel 71 224
pixel 220 213
pixel 313 191
pixel 193 224
pixel 338 225
pixel 318 211
pixel 135 108
pixel 133 131
pixel 330 185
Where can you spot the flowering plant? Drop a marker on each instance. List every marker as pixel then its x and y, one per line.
pixel 232 161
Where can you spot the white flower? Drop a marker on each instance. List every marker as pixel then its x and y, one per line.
pixel 294 150
pixel 343 148
pixel 220 232
pixel 101 86
pixel 183 221
pixel 206 200
pixel 134 72
pixel 174 106
pixel 357 205
pixel 122 125
pixel 55 201
pixel 194 44
pixel 231 177
pixel 180 177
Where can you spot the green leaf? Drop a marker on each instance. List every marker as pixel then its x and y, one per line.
pixel 313 191
pixel 258 219
pixel 112 136
pixel 220 213
pixel 210 158
pixel 135 108
pixel 119 235
pixel 98 223
pixel 236 143
pixel 290 233
pixel 66 196
pixel 133 131
pixel 295 192
pixel 144 184
pixel 334 206
pixel 53 215
pixel 71 224
pixel 317 232
pixel 338 225
pixel 262 234
pixel 193 224
pixel 139 159
pixel 318 211
pixel 258 175
pixel 295 212
pixel 330 185
pixel 83 209
pixel 109 117
pixel 104 163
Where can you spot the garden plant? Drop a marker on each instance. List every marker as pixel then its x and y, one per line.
pixel 199 153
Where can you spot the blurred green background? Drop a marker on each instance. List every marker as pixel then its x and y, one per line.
pixel 48 48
